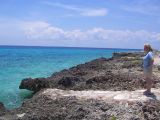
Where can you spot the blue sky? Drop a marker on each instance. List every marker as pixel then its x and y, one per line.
pixel 80 23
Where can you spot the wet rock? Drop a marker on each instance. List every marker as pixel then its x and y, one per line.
pixel 2 109
pixel 34 84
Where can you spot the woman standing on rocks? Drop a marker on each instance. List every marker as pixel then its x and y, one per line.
pixel 147 67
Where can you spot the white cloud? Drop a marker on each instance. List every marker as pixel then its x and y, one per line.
pixel 94 12
pixel 81 10
pixel 41 30
pixel 96 37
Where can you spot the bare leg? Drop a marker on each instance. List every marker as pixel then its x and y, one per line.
pixel 149 84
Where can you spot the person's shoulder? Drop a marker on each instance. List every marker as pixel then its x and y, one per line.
pixel 150 53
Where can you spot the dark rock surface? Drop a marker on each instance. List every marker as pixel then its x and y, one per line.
pixel 158 67
pixel 2 109
pixel 34 84
pixel 121 72
pixel 42 107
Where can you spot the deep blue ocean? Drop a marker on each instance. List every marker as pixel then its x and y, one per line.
pixel 19 62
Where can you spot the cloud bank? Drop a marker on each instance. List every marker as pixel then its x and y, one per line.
pixel 96 37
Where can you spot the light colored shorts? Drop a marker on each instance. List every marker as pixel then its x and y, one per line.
pixel 148 72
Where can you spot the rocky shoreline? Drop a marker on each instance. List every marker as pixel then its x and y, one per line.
pixel 122 72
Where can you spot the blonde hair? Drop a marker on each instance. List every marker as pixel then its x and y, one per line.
pixel 148 46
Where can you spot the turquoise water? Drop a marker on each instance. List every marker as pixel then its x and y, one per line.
pixel 17 63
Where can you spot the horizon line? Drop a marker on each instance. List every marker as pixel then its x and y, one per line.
pixel 64 47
